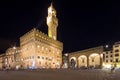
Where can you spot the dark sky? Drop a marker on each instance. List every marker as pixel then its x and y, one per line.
pixel 82 23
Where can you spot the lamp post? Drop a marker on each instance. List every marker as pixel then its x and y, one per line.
pixel 65 60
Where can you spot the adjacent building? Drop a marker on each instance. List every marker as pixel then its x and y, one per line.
pixel 97 57
pixel 112 56
pixel 88 58
pixel 1 61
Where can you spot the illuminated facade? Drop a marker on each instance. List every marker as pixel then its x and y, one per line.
pixel 10 58
pixel 97 57
pixel 52 22
pixel 112 57
pixel 40 51
pixel 37 50
pixel 108 59
pixel 91 58
pixel 116 54
pixel 1 61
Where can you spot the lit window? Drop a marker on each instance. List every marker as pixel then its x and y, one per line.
pixel 42 57
pixel 116 54
pixel 117 60
pixel 111 56
pixel 106 56
pixel 106 52
pixel 33 57
pixel 106 61
pixel 117 50
pixel 111 61
pixel 38 57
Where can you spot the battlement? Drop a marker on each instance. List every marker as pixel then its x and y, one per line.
pixel 38 35
pixel 1 55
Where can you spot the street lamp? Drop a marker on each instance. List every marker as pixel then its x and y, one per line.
pixel 106 46
pixel 66 54
pixel 65 60
pixel 14 47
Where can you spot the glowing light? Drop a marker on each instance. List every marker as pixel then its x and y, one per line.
pixel 65 65
pixel 66 54
pixel 57 65
pixel 38 46
pixel 101 55
pixel 93 55
pixel 33 65
pixel 42 48
pixel 50 10
pixel 107 65
pixel 14 47
pixel 106 46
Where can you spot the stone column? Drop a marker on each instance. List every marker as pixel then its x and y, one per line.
pixel 101 61
pixel 76 62
pixel 88 61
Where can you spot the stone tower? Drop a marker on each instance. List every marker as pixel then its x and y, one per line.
pixel 52 22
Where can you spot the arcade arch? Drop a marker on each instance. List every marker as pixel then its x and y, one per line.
pixel 82 61
pixel 94 60
pixel 73 62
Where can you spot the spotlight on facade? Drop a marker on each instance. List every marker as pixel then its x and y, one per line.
pixel 14 47
pixel 106 46
pixel 66 54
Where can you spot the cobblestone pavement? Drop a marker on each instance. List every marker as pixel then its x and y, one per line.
pixel 60 74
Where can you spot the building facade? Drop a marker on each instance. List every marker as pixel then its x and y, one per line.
pixel 37 50
pixel 1 61
pixel 97 57
pixel 112 57
pixel 10 57
pixel 108 59
pixel 40 51
pixel 89 58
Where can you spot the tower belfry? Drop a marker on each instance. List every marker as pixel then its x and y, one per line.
pixel 52 22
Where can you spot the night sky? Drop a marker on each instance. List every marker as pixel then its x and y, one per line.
pixel 82 24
